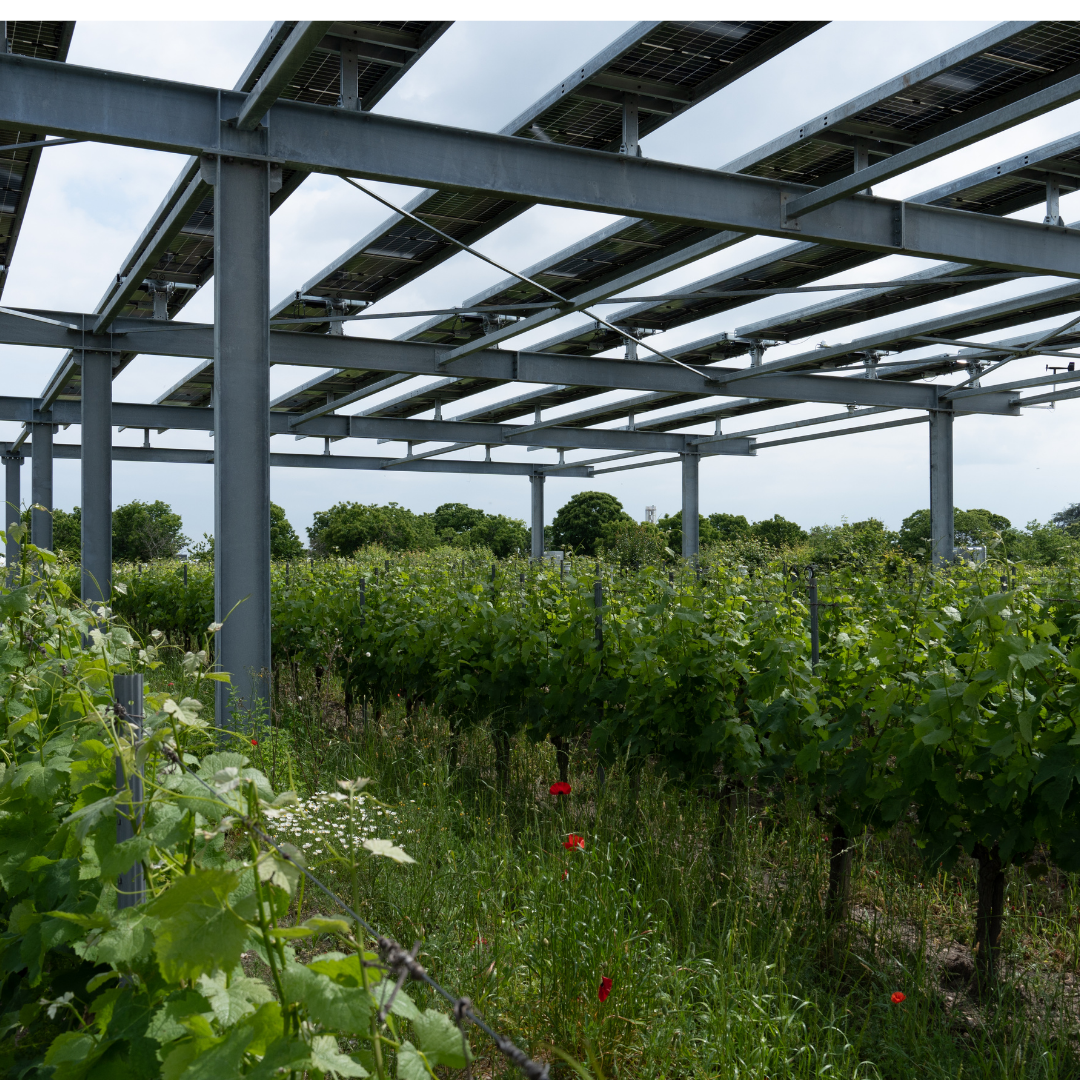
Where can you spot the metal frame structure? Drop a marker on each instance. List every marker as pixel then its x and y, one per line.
pixel 305 104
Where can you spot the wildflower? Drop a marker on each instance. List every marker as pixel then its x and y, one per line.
pixel 565 875
pixel 254 742
pixel 898 997
pixel 574 841
pixel 559 788
pixel 605 989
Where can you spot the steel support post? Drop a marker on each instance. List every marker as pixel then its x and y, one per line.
pixel 96 478
pixel 690 505
pixel 537 483
pixel 41 484
pixel 941 486
pixel 13 500
pixel 241 435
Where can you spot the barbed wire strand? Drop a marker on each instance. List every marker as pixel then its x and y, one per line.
pixel 397 959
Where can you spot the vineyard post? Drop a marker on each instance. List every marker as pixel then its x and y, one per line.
pixel 813 616
pixel 185 575
pixel 12 483
pixel 128 698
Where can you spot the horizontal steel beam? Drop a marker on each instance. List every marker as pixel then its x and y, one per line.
pixel 174 456
pixel 422 358
pixel 846 431
pixel 134 415
pixel 182 118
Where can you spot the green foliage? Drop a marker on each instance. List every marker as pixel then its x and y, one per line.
pixel 671 524
pixel 831 545
pixel 778 532
pixel 729 527
pixel 465 527
pixel 631 544
pixel 90 989
pixel 67 530
pixel 143 532
pixel 972 528
pixel 456 518
pixel 578 524
pixel 345 528
pixel 284 543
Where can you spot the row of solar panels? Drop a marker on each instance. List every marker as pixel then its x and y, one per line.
pixel 665 67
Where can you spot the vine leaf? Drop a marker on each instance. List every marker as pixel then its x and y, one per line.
pixel 440 1039
pixel 325 1055
pixel 197 931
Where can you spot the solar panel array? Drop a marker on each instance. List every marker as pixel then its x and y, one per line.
pixel 663 68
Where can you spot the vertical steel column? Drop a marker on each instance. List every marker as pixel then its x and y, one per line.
pixel 241 433
pixel 942 535
pixel 537 482
pixel 41 484
pixel 13 499
pixel 96 477
pixel 690 505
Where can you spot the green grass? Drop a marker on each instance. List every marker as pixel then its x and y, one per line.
pixel 709 924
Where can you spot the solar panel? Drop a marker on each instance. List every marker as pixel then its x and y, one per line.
pixel 43 41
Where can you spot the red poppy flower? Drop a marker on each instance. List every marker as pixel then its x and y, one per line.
pixel 565 875
pixel 605 989
pixel 561 787
pixel 254 742
pixel 574 841
pixel 898 997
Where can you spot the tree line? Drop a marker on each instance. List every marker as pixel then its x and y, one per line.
pixel 589 523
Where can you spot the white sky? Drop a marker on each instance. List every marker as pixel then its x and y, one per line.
pixel 90 202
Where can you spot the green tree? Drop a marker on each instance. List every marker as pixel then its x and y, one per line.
pixel 578 524
pixel 1068 519
pixel 671 525
pixel 456 518
pixel 859 539
pixel 145 531
pixel 284 543
pixel 972 528
pixel 502 535
pixel 349 526
pixel 778 532
pixel 729 526
pixel 67 530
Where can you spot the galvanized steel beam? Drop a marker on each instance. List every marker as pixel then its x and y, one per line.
pixel 13 461
pixel 96 478
pixel 182 118
pixel 167 455
pixel 536 484
pixel 421 358
pixel 242 437
pixel 41 486
pixel 942 529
